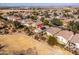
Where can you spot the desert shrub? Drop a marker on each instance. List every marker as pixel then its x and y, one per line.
pixel 34 17
pixel 4 53
pixel 57 22
pixel 31 51
pixel 22 52
pixel 73 26
pixel 46 22
pixel 17 25
pixel 52 40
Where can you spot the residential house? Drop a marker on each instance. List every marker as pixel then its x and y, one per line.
pixel 75 40
pixel 37 24
pixel 73 44
pixel 52 31
pixel 64 36
pixel 13 18
pixel 27 22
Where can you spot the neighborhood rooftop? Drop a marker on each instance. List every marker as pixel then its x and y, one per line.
pixel 53 30
pixel 75 38
pixel 65 34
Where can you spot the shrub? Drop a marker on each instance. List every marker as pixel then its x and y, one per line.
pixel 34 17
pixel 46 22
pixel 18 25
pixel 29 51
pixel 73 26
pixel 52 40
pixel 57 22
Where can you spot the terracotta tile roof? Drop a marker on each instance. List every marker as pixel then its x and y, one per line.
pixel 13 17
pixel 65 34
pixel 53 30
pixel 75 38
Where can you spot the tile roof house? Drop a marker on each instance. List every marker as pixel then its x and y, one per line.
pixel 77 20
pixel 52 30
pixel 37 24
pixel 75 40
pixel 64 36
pixel 13 18
pixel 28 23
pixel 39 17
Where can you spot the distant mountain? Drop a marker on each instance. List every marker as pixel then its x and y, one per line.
pixel 38 4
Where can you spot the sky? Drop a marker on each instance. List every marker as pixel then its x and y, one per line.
pixel 38 4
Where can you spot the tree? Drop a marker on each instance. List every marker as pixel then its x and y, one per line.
pixel 55 14
pixel 73 26
pixel 10 13
pixel 78 17
pixel 1 14
pixel 46 22
pixel 67 10
pixel 46 14
pixel 28 16
pixel 42 19
pixel 17 25
pixel 57 22
pixel 35 12
pixel 4 18
pixel 52 40
pixel 77 24
pixel 34 17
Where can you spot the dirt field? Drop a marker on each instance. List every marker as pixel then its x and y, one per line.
pixel 18 42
